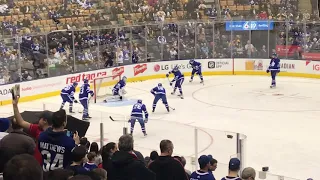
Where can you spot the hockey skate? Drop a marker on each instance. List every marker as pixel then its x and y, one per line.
pixel 190 80
pixel 273 86
pixel 105 101
pixel 145 134
pixel 201 81
pixel 72 112
pixel 173 93
pixel 181 96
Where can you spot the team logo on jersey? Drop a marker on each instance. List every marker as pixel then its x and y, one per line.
pixel 254 65
pixel 156 68
pixel 139 69
pixel 117 72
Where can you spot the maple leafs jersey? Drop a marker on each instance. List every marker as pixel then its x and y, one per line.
pixel 68 91
pixel 159 90
pixel 138 109
pixel 177 74
pixel 85 91
pixel 196 65
pixel 121 84
pixel 274 64
pixel 200 175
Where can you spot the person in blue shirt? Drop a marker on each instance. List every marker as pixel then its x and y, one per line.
pixel 85 91
pixel 274 68
pixel 67 95
pixel 203 173
pixel 234 168
pixel 159 93
pixel 137 115
pixel 55 145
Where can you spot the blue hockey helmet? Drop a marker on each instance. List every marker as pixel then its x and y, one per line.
pixel 191 61
pixel 124 78
pixel 75 84
pixel 86 81
pixel 160 84
pixel 139 101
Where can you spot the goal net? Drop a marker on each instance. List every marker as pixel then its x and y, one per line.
pixel 102 87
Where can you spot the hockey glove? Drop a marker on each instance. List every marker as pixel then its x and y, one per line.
pixel 268 70
pixel 145 120
pixel 278 71
pixel 170 83
pixel 75 101
pixel 167 75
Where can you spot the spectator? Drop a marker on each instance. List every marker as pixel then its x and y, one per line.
pixel 60 155
pixel 166 167
pixel 107 152
pixel 23 167
pixel 45 121
pixel 213 164
pixel 101 173
pixel 16 142
pixel 85 143
pixel 78 157
pixel 184 162
pixel 59 174
pixel 234 168
pixel 95 148
pixel 153 156
pixel 91 156
pixel 203 173
pixel 248 174
pixel 4 124
pixel 124 163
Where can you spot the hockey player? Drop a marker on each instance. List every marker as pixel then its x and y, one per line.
pixel 137 114
pixel 118 90
pixel 67 95
pixel 159 93
pixel 178 78
pixel 274 68
pixel 196 69
pixel 84 98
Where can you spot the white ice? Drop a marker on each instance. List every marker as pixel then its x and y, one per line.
pixel 281 124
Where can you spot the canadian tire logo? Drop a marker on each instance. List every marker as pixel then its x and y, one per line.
pixel 139 69
pixel 156 68
pixel 117 72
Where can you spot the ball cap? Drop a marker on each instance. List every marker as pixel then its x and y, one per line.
pixel 234 164
pixel 46 115
pixel 4 124
pixel 204 160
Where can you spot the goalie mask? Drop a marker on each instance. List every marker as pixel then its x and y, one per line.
pixel 124 78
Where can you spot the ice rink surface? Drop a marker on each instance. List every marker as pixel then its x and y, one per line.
pixel 281 125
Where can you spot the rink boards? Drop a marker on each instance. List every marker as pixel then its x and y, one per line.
pixel 42 88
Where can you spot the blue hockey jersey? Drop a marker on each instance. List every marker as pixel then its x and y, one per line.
pixel 230 178
pixel 121 84
pixel 55 149
pixel 85 92
pixel 158 90
pixel 69 91
pixel 196 65
pixel 274 64
pixel 138 109
pixel 177 74
pixel 200 175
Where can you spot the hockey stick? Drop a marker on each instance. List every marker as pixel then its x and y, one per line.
pixel 123 120
pixel 172 108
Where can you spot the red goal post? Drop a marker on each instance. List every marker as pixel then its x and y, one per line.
pixel 102 87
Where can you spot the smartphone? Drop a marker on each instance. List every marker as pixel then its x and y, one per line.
pixel 70 133
pixel 15 91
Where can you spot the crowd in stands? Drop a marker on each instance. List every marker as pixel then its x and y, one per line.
pixel 45 151
pixel 31 48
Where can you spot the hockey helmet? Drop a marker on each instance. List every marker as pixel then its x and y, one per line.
pixel 75 84
pixel 274 55
pixel 124 78
pixel 160 84
pixel 191 61
pixel 176 68
pixel 85 81
pixel 139 101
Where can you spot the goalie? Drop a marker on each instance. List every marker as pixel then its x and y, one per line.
pixel 118 91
